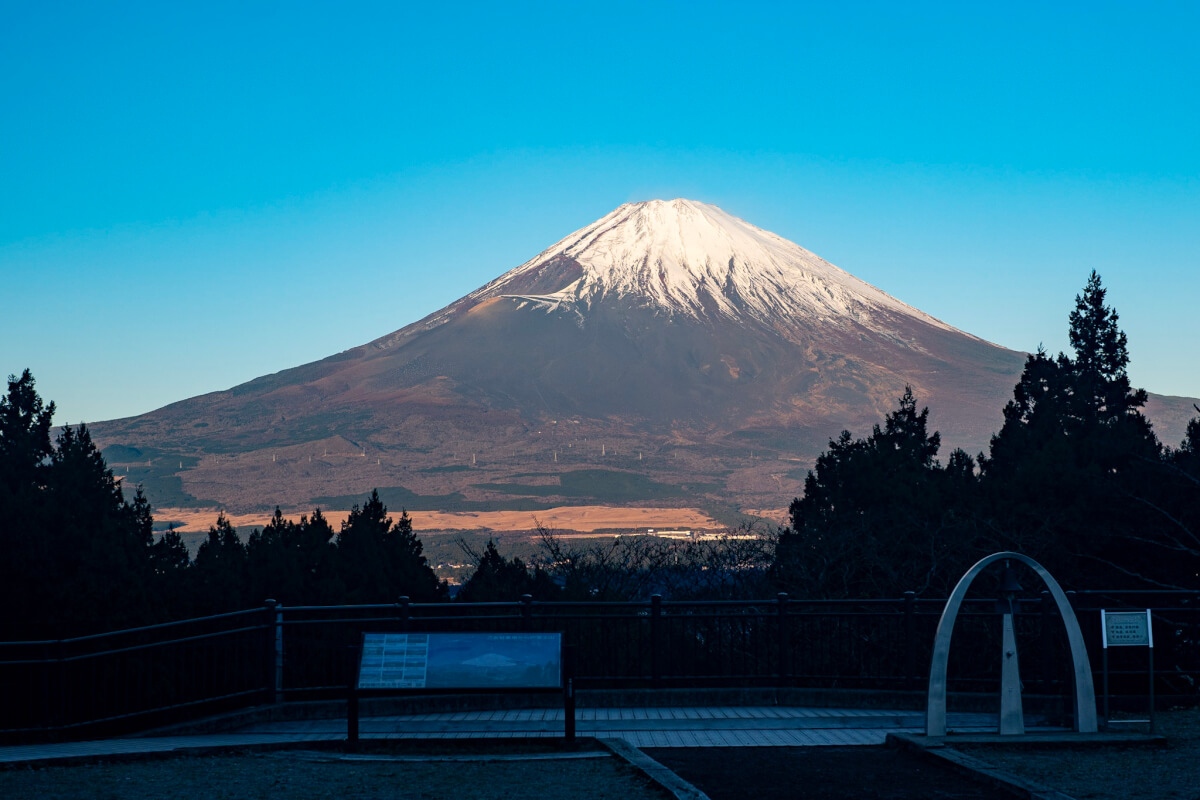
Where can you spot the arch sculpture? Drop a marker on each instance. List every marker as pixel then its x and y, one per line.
pixel 1085 693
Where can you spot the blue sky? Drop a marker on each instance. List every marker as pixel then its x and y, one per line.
pixel 192 195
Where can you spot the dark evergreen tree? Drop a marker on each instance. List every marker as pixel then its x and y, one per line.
pixel 496 579
pixel 26 556
pixel 410 572
pixel 220 571
pixel 318 558
pixel 379 561
pixel 24 437
pixel 76 556
pixel 878 516
pixel 1072 453
pixel 273 559
pixel 294 562
pixel 170 565
pixel 103 543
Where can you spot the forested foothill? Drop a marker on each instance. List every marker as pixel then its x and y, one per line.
pixel 1075 478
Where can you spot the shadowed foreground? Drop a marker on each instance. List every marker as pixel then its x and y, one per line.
pixel 826 773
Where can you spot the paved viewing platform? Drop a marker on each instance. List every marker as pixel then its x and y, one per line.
pixel 740 726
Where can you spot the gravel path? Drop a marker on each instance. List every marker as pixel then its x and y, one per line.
pixel 1113 773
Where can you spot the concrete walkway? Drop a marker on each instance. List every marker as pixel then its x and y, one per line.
pixel 743 726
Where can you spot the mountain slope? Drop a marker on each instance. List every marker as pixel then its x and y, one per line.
pixel 667 340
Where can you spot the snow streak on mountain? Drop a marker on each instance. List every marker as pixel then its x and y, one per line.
pixel 692 258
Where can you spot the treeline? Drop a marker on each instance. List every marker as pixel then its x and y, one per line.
pixel 77 557
pixel 1075 478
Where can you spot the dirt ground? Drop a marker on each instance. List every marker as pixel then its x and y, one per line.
pixel 309 776
pixel 582 519
pixel 1114 773
pixel 819 773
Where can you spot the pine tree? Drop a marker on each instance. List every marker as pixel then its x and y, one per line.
pixel 379 561
pixel 878 515
pixel 496 579
pixel 26 556
pixel 1073 450
pixel 221 570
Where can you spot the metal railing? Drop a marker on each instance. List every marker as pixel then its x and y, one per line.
pixel 143 677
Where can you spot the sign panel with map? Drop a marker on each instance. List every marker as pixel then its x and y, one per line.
pixel 461 661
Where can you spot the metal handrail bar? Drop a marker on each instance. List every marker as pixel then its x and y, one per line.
pixel 769 607
pixel 148 645
pixel 333 620
pixel 142 629
pixel 131 648
pixel 1190 592
pixel 393 618
pixel 144 712
pixel 209 618
pixel 354 605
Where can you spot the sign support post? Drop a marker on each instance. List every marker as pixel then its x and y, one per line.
pixel 1127 629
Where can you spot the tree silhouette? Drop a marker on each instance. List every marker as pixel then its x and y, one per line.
pixel 879 516
pixel 379 561
pixel 74 554
pixel 497 579
pixel 220 570
pixel 1073 451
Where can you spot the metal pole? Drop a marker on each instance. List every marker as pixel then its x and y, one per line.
pixel 352 701
pixel 655 645
pixel 405 613
pixel 526 613
pixel 1151 690
pixel 1104 659
pixel 1104 664
pixel 781 630
pixel 1047 609
pixel 910 656
pixel 569 693
pixel 275 615
pixel 1150 639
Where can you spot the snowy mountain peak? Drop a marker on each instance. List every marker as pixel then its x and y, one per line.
pixel 692 258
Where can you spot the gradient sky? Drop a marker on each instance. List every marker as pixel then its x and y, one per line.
pixel 193 195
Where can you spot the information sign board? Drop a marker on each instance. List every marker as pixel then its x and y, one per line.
pixel 1126 628
pixel 461 661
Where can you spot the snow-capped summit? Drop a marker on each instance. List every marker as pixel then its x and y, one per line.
pixel 692 258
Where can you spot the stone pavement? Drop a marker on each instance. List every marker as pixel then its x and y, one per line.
pixel 742 726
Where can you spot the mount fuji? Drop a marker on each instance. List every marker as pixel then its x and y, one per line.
pixel 668 353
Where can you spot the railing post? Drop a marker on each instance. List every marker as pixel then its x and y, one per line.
pixel 1194 666
pixel 275 637
pixel 568 653
pixel 783 667
pixel 1047 608
pixel 60 703
pixel 526 613
pixel 1193 662
pixel 910 632
pixel 404 612
pixel 655 640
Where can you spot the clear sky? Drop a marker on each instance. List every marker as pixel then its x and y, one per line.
pixel 193 195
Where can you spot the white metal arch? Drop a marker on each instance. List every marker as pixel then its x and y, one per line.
pixel 1085 693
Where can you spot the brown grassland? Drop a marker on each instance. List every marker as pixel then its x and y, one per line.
pixel 580 519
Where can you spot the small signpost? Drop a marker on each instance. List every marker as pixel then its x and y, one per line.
pixel 471 662
pixel 1127 629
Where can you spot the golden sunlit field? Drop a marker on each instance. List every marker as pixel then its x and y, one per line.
pixel 579 519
